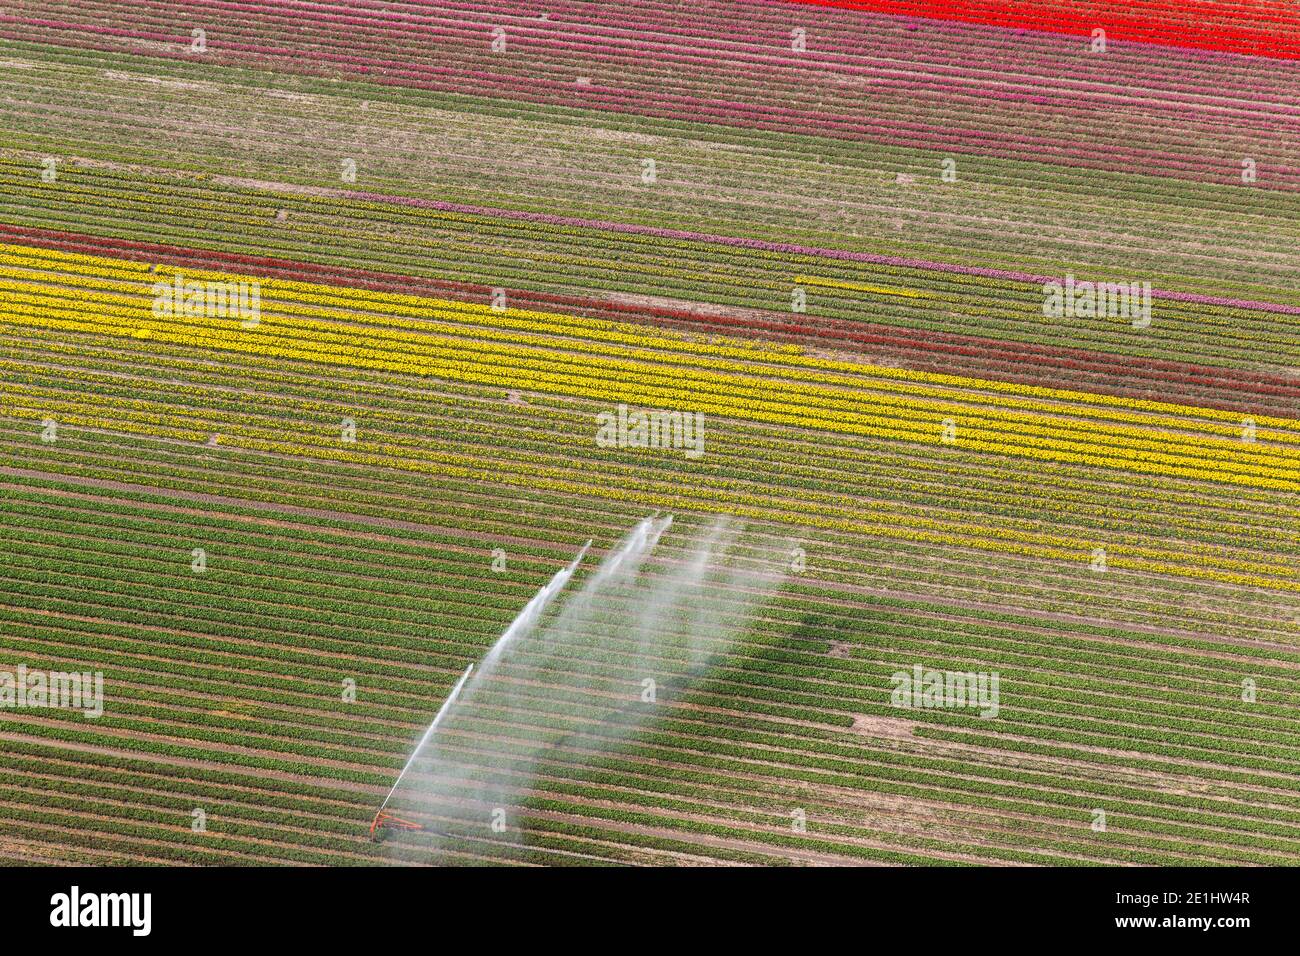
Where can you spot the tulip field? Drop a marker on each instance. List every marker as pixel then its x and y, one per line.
pixel 282 525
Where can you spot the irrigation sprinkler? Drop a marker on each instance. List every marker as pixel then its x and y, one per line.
pixel 384 820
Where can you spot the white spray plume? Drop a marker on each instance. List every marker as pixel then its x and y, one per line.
pixel 532 610
pixel 572 691
pixel 522 622
pixel 626 559
pixel 437 719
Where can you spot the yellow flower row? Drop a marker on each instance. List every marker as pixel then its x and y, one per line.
pixel 611 380
pixel 322 331
pixel 556 429
pixel 397 308
pixel 400 451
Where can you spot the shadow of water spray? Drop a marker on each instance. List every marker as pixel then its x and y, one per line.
pixel 571 686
